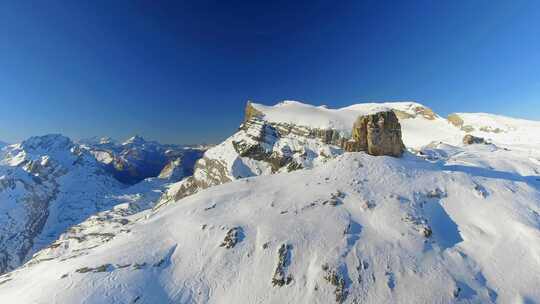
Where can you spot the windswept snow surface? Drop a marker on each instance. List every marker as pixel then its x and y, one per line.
pixel 502 129
pixel 460 224
pixel 417 129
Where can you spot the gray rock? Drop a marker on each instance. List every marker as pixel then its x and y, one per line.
pixel 470 140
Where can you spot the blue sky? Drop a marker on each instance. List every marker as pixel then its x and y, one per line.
pixel 181 72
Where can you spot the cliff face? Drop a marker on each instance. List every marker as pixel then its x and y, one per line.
pixel 262 147
pixel 377 134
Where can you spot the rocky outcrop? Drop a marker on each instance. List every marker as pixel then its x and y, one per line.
pixel 455 120
pixel 458 122
pixel 488 129
pixel 250 112
pixel 415 111
pixel 377 134
pixel 263 147
pixel 470 140
pixel 280 277
pixel 234 235
pixel 425 112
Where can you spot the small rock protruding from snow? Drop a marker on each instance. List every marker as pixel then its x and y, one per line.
pixel 233 236
pixel 480 191
pixel 469 140
pixel 280 277
pixel 368 205
pixel 335 278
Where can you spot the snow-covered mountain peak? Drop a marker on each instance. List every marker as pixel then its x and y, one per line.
pixel 97 140
pixel 305 115
pixel 47 143
pixel 106 140
pixel 341 119
pixel 136 158
pixel 49 183
pixel 135 140
pixel 61 149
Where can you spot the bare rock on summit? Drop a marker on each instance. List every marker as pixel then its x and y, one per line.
pixel 377 134
pixel 251 112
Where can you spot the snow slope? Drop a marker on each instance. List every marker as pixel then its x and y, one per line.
pixel 502 129
pixel 357 229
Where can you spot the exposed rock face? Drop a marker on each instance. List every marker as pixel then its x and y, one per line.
pixel 280 277
pixel 491 130
pixel 377 134
pixel 425 112
pixel 261 147
pixel 457 121
pixel 250 112
pixel 469 140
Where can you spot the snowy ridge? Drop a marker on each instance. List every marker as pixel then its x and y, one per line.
pixel 356 229
pixel 420 125
pixel 301 114
pixel 502 129
pixel 263 131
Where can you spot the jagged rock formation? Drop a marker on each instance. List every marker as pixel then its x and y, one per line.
pixel 250 112
pixel 377 134
pixel 415 111
pixel 262 146
pixel 457 121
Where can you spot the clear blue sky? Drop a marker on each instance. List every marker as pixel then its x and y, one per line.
pixel 181 73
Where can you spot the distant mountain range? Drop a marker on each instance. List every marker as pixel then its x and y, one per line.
pixel 136 159
pixel 49 183
pixel 370 203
